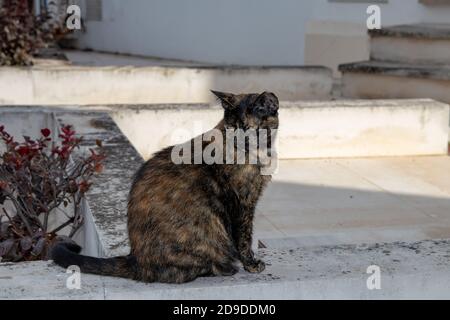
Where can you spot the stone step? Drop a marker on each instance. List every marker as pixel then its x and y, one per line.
pixel 308 129
pixel 390 80
pixel 368 235
pixel 82 85
pixel 407 270
pixel 424 43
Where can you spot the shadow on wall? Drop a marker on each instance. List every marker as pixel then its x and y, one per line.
pixel 289 83
pixel 158 85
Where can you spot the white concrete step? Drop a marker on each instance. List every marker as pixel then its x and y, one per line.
pixel 342 128
pixel 408 270
pixel 367 235
pixel 308 129
pixel 389 80
pixel 78 85
pixel 424 43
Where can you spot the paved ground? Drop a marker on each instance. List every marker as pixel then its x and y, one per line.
pixel 406 270
pixel 101 59
pixel 337 201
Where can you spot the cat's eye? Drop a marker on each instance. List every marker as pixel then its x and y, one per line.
pixel 259 111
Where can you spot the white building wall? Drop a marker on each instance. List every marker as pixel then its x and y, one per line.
pixel 231 32
pixel 393 12
pixel 249 32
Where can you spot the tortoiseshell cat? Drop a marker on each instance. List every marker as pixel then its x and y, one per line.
pixel 190 220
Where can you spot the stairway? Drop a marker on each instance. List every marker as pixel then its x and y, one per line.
pixel 406 61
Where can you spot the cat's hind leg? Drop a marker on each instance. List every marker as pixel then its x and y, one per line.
pixel 175 274
pixel 224 269
pixel 223 261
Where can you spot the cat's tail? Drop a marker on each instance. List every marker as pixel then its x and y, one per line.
pixel 67 254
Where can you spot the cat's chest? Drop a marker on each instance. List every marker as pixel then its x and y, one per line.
pixel 248 182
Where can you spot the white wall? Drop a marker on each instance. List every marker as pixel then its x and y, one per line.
pixel 392 13
pixel 233 31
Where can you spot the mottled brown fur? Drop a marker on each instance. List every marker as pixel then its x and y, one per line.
pixel 191 220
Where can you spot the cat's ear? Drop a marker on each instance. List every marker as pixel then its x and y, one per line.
pixel 228 100
pixel 267 97
pixel 268 100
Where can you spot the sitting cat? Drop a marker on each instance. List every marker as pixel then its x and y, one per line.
pixel 190 220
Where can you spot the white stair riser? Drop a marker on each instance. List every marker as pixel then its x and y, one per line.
pixel 311 130
pixel 129 85
pixel 410 50
pixel 380 86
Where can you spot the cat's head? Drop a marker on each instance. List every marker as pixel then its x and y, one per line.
pixel 249 111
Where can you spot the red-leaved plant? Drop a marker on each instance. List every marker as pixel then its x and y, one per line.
pixel 38 179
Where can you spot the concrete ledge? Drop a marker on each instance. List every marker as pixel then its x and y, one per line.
pixel 388 80
pixel 417 270
pixel 432 31
pixel 410 50
pixel 433 72
pixel 108 196
pixel 342 128
pixel 360 85
pixel 356 128
pixel 412 44
pixel 112 85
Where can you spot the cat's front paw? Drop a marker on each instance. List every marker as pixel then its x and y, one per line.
pixel 255 266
